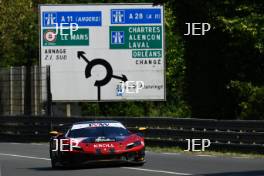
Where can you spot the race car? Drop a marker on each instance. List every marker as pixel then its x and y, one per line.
pixel 95 141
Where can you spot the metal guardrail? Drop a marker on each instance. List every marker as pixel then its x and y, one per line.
pixel 247 136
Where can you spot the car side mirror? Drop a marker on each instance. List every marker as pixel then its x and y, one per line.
pixel 142 129
pixel 55 133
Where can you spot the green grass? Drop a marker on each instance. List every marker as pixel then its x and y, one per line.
pixel 214 153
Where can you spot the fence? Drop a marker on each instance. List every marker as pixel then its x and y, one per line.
pixel 247 136
pixel 23 90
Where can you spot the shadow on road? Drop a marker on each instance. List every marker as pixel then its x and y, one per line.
pixel 42 169
pixel 91 166
pixel 245 173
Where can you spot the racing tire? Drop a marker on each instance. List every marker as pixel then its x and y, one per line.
pixel 54 164
pixel 53 161
pixel 140 161
pixel 139 164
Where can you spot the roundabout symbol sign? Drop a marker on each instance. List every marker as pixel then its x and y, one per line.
pixel 109 72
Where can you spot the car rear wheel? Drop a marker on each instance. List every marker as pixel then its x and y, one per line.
pixel 139 163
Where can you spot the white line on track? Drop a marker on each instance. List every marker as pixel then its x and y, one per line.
pixel 41 144
pixel 22 156
pixel 171 153
pixel 206 155
pixel 241 157
pixel 15 143
pixel 159 171
pixel 131 168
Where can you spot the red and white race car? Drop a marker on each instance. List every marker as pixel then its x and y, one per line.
pixel 94 141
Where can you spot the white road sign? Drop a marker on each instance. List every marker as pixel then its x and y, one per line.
pixel 107 52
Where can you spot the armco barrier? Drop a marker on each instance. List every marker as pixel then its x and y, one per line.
pixel 226 135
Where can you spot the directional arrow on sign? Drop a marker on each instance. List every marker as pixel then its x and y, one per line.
pixel 122 78
pixel 80 54
pixel 108 67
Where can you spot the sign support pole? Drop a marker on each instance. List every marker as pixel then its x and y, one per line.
pixel 49 95
pixel 68 110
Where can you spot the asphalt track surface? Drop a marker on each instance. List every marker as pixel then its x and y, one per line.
pixel 18 159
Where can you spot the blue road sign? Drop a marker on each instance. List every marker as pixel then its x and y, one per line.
pixel 117 37
pixel 82 18
pixel 135 16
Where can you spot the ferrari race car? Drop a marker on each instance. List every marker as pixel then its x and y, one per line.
pixel 95 141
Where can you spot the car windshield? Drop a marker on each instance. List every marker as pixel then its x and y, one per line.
pixel 98 131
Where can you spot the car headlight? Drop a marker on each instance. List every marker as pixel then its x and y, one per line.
pixel 134 144
pixel 137 143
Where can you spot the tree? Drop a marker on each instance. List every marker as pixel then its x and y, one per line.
pixel 232 50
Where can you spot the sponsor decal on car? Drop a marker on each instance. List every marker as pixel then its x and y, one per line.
pixel 91 125
pixel 103 139
pixel 103 145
